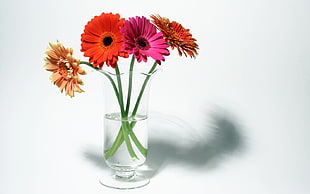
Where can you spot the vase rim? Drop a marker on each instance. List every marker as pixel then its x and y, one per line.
pixel 145 73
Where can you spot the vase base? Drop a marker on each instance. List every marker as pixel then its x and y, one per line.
pixel 116 182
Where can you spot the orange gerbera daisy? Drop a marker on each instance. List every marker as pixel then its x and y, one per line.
pixel 176 35
pixel 102 40
pixel 65 68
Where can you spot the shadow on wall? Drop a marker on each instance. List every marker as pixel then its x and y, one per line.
pixel 215 142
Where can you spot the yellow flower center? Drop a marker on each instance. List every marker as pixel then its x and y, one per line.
pixel 65 69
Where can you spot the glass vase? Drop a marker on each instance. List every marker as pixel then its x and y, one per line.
pixel 125 127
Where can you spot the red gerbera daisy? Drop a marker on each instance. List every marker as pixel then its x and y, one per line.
pixel 102 40
pixel 142 40
pixel 177 36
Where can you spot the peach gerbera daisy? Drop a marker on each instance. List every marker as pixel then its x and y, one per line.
pixel 176 35
pixel 65 68
pixel 102 40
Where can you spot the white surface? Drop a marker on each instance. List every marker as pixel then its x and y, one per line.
pixel 235 120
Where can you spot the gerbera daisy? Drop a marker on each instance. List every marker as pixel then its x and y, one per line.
pixel 65 68
pixel 142 40
pixel 102 40
pixel 176 35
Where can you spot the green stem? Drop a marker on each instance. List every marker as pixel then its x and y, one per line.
pixel 135 139
pixel 117 142
pixel 108 76
pixel 127 140
pixel 120 91
pixel 89 64
pixel 124 115
pixel 129 84
pixel 134 112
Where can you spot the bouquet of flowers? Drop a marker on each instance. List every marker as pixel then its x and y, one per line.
pixel 106 38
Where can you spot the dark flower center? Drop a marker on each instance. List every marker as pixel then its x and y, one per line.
pixel 107 41
pixel 142 43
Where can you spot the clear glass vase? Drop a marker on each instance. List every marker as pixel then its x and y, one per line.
pixel 125 127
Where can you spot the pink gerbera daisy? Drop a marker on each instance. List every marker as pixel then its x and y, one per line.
pixel 142 40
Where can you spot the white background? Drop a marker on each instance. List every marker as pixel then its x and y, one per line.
pixel 235 120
